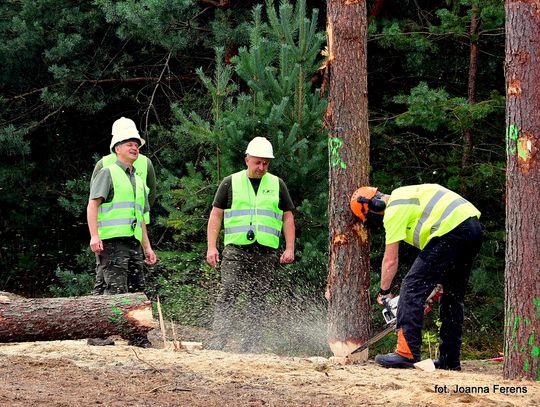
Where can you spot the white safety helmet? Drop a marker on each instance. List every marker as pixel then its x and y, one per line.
pixel 260 147
pixel 124 129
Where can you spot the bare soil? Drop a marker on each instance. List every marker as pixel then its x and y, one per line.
pixel 71 373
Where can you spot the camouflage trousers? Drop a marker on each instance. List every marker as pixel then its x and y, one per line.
pixel 244 270
pixel 119 267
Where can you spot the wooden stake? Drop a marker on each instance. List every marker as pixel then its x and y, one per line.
pixel 161 324
pixel 176 344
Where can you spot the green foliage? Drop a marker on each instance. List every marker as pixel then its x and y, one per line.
pixel 451 23
pixel 426 108
pixel 404 35
pixel 12 142
pixel 75 196
pixel 71 284
pixel 187 294
pixel 430 342
pixel 170 24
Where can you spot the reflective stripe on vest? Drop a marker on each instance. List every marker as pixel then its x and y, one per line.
pixel 258 212
pixel 262 228
pixel 141 169
pixel 120 205
pixel 440 210
pixel 123 216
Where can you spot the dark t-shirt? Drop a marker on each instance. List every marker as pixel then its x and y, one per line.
pixel 223 197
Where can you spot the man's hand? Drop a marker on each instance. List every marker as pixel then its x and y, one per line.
pixel 287 256
pixel 384 295
pixel 212 257
pixel 150 257
pixel 96 245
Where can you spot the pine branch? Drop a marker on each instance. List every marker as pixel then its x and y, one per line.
pixel 150 105
pixel 110 81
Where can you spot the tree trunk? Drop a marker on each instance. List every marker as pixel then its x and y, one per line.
pixel 522 279
pixel 346 118
pixel 376 8
pixel 47 319
pixel 468 137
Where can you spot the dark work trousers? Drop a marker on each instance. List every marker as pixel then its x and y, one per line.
pixel 99 285
pixel 447 260
pixel 244 269
pixel 120 266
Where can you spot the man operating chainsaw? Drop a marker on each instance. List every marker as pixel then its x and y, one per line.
pixel 446 229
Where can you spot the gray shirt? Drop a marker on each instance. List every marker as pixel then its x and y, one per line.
pixel 102 185
pixel 150 178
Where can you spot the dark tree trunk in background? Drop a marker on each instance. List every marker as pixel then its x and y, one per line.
pixel 522 279
pixel 468 137
pixel 347 121
pixel 376 8
pixel 48 319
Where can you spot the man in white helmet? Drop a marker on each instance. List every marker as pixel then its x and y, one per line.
pixel 256 208
pixel 116 211
pixel 143 168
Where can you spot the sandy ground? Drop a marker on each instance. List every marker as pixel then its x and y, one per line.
pixel 71 373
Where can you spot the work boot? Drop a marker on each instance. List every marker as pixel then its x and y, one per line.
pixel 100 341
pixel 394 360
pixel 442 364
pixel 140 341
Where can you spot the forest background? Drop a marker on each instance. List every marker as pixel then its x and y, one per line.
pixel 200 79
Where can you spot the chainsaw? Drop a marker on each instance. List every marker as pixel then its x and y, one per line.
pixel 390 313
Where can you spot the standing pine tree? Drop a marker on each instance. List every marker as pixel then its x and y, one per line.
pixel 522 299
pixel 347 118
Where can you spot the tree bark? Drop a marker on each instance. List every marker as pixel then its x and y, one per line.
pixel 46 319
pixel 468 136
pixel 347 121
pixel 522 279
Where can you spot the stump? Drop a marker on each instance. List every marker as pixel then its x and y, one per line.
pixel 46 319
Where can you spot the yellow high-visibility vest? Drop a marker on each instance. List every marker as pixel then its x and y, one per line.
pixel 141 169
pixel 123 216
pixel 418 213
pixel 257 212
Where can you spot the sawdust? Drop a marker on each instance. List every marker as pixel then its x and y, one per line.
pixel 71 373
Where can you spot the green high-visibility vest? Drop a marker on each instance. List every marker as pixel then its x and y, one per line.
pixel 141 169
pixel 257 212
pixel 418 213
pixel 123 216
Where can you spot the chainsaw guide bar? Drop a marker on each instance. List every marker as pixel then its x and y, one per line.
pixel 375 338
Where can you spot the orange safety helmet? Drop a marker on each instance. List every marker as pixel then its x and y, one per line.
pixel 360 207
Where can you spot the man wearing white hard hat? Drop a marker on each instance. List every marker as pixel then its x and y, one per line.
pixel 255 208
pixel 116 207
pixel 143 168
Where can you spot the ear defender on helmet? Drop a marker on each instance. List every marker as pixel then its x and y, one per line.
pixel 376 203
pixel 366 199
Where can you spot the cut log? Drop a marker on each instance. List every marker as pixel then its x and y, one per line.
pixel 47 319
